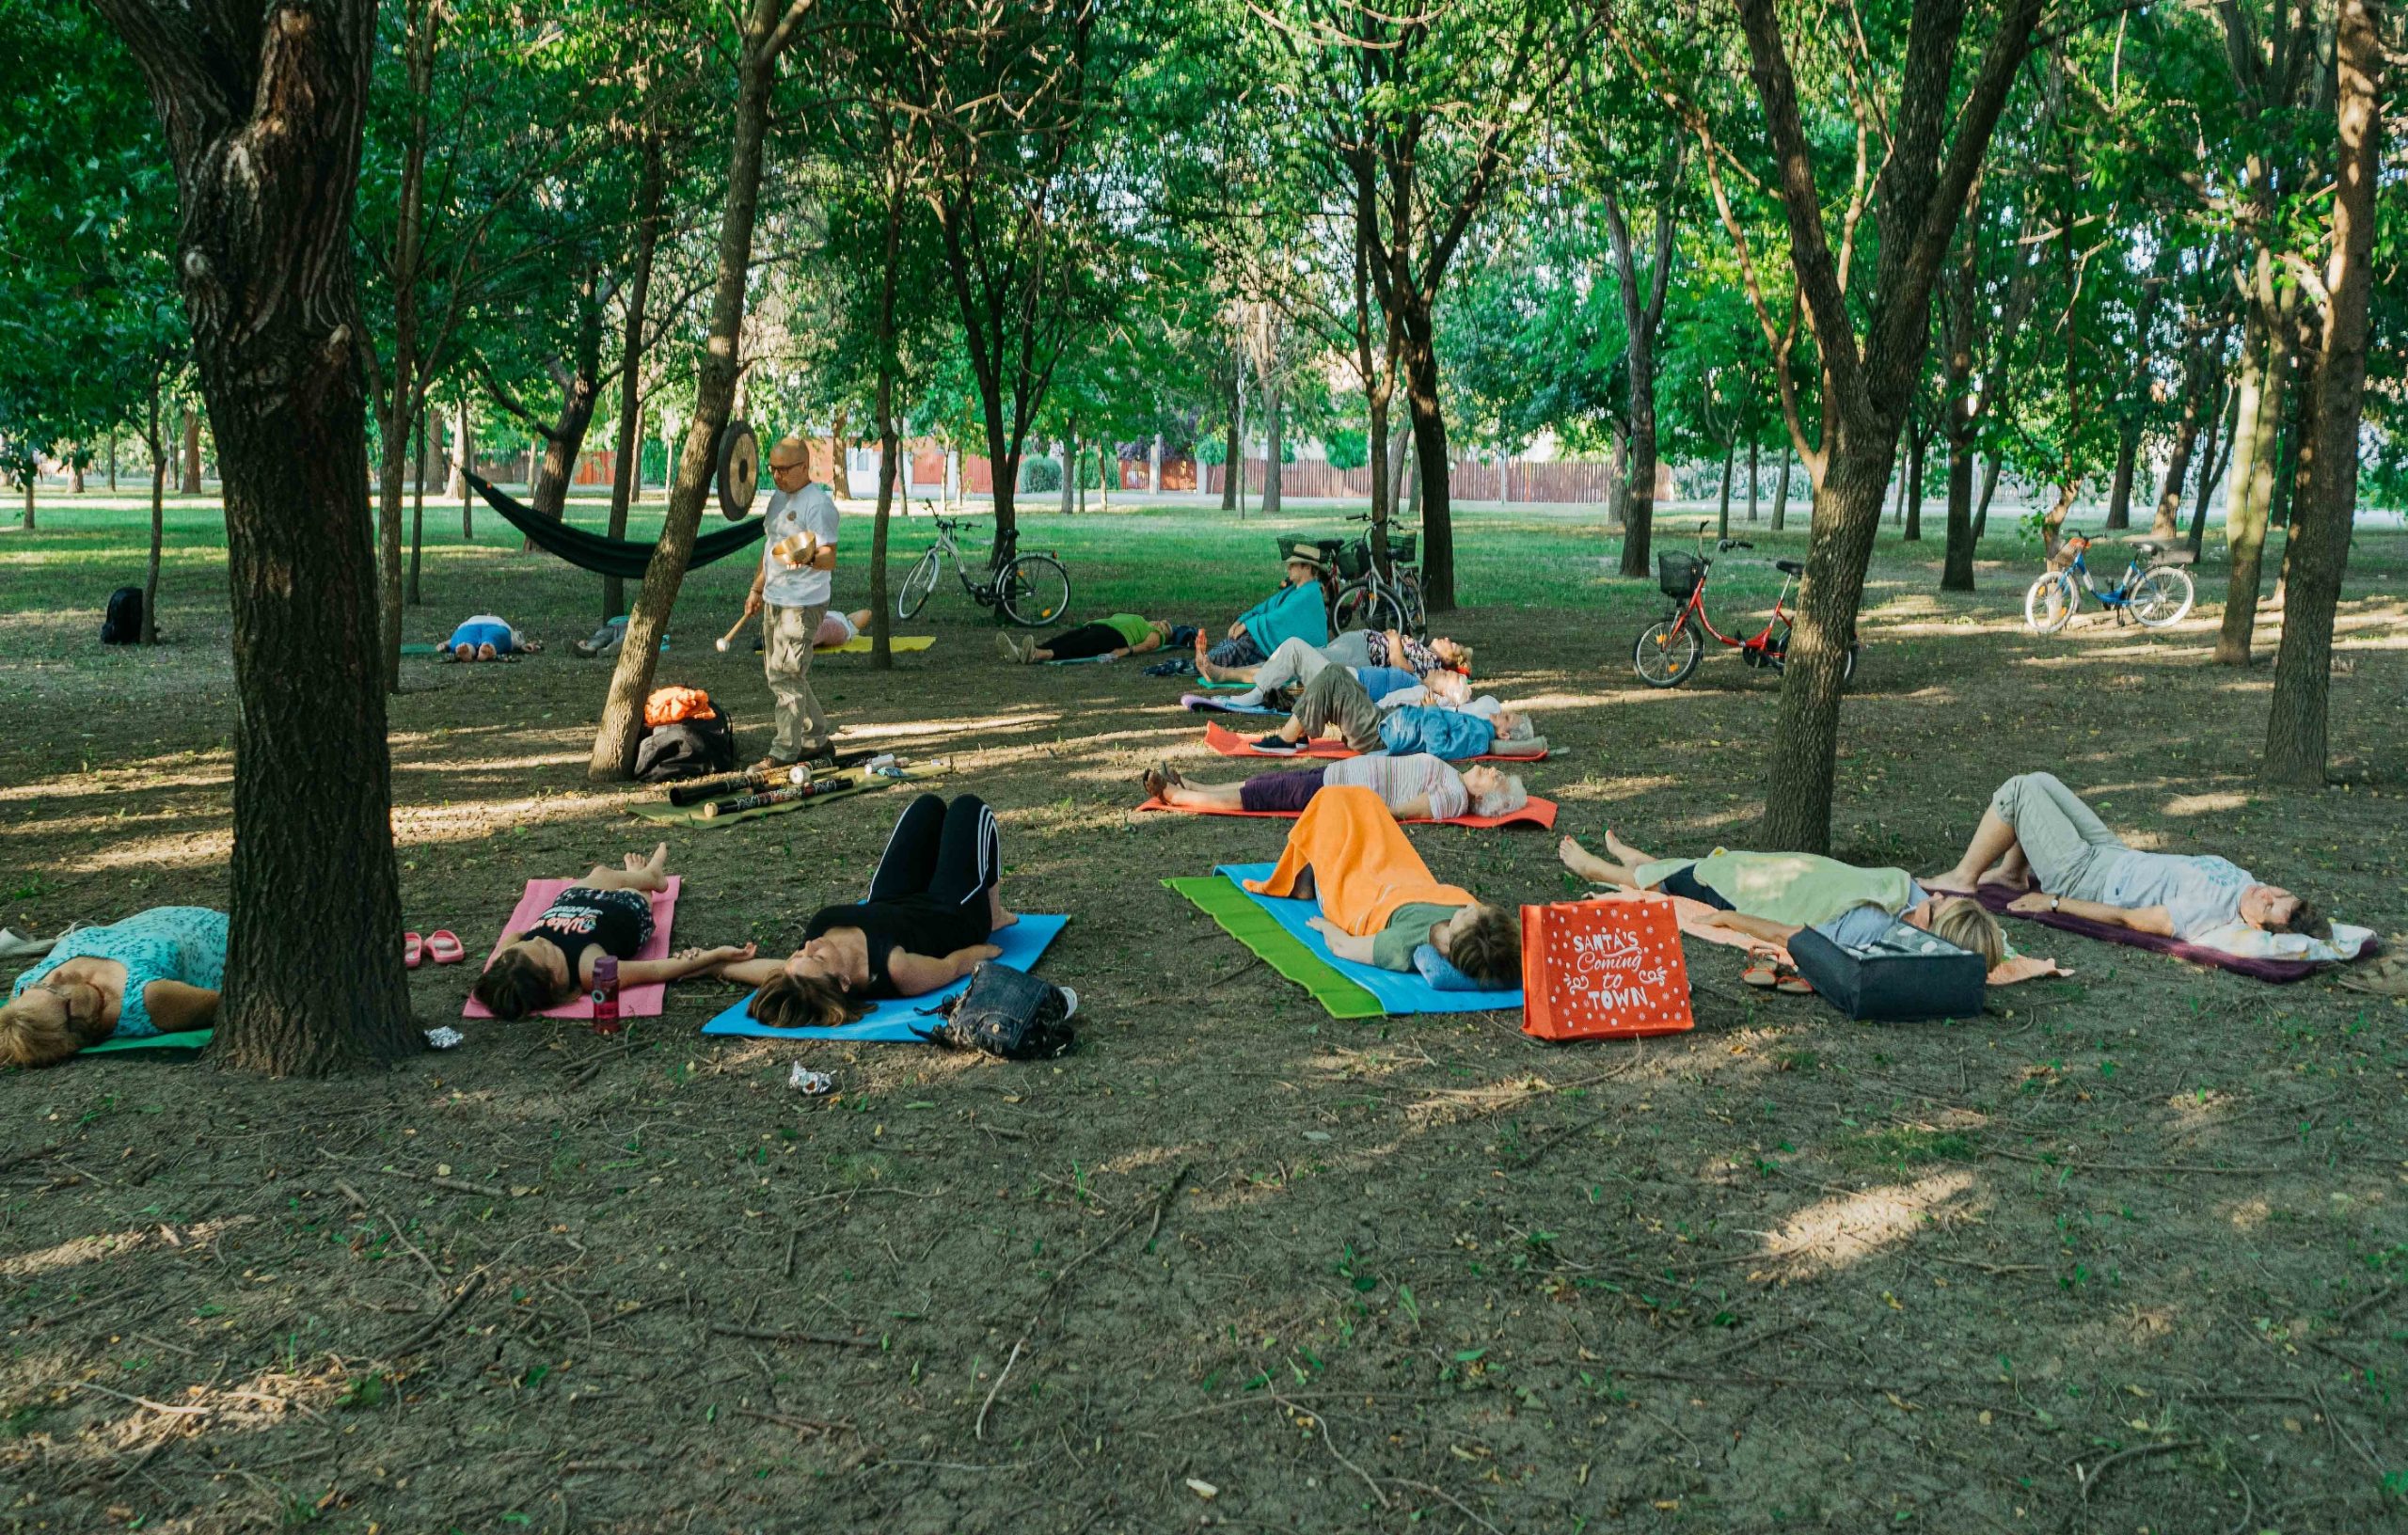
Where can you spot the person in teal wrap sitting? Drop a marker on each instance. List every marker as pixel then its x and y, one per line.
pixel 157 972
pixel 1298 610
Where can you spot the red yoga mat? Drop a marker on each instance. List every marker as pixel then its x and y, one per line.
pixel 634 1000
pixel 1229 743
pixel 1537 812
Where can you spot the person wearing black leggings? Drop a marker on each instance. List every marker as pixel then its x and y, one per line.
pixel 924 923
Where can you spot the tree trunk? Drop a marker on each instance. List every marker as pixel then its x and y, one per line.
pixel 463 454
pixel 1729 455
pixel 1275 422
pixel 580 384
pixel 263 110
pixel 1780 495
pixel 398 409
pixel 76 471
pixel 1638 465
pixel 1067 454
pixel 2298 724
pixel 627 477
pixel 881 647
pixel 1914 487
pixel 28 523
pixel 1234 442
pixel 1982 507
pixel 2166 524
pixel 1419 357
pixel 621 727
pixel 417 517
pixel 112 463
pixel 2212 461
pixel 1754 446
pixel 192 451
pixel 158 518
pixel 2265 358
pixel 1957 563
pixel 840 472
pixel 2119 491
pixel 1618 484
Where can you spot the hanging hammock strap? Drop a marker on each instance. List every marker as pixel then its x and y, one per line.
pixel 622 557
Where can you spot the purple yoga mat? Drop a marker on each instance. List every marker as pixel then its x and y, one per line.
pixel 2281 971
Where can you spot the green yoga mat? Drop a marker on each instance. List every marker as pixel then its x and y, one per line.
pixel 427 649
pixel 189 1041
pixel 1251 925
pixel 661 813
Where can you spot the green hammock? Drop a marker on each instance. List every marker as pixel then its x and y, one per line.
pixel 625 558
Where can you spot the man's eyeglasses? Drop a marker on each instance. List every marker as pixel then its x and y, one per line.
pixel 782 468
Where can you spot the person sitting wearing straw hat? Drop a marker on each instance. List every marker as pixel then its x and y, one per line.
pixel 1298 610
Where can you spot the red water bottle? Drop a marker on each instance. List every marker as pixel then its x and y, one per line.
pixel 606 994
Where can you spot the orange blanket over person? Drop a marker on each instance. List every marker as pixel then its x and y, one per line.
pixel 1363 867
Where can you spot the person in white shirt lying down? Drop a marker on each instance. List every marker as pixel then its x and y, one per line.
pixel 1415 788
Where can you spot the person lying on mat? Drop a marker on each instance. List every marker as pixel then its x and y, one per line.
pixel 487 638
pixel 1299 609
pixel 1337 703
pixel 1297 663
pixel 932 903
pixel 1360 647
pixel 1121 635
pixel 2036 830
pixel 837 628
pixel 157 972
pixel 609 912
pixel 1415 788
pixel 1772 895
pixel 1378 901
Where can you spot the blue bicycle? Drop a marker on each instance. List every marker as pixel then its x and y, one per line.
pixel 2155 595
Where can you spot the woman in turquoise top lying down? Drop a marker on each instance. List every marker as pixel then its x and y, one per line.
pixel 158 971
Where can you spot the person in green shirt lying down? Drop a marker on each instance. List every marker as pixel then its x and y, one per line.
pixel 1122 634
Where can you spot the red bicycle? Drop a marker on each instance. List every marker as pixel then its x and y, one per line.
pixel 1668 649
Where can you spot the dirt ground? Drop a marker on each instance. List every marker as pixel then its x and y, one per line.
pixel 2124 1254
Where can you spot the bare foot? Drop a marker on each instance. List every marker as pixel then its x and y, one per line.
pixel 1623 852
pixel 1583 863
pixel 1951 883
pixel 997 917
pixel 2004 878
pixel 1204 667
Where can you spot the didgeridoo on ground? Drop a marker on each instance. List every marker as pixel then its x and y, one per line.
pixel 708 788
pixel 812 790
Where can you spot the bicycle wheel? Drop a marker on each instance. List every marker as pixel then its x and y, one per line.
pixel 2162 597
pixel 1416 613
pixel 2052 602
pixel 1032 590
pixel 1665 651
pixel 917 585
pixel 1360 608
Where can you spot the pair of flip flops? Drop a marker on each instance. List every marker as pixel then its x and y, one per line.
pixel 1767 974
pixel 442 946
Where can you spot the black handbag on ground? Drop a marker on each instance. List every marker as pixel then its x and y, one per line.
pixel 1904 974
pixel 1009 1013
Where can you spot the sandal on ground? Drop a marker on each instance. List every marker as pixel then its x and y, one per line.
pixel 444 947
pixel 413 950
pixel 1762 973
pixel 1793 984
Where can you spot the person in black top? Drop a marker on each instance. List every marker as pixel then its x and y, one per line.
pixel 609 912
pixel 931 905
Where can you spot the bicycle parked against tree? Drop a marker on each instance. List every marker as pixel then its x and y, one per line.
pixel 2156 595
pixel 1668 650
pixel 1030 590
pixel 1370 598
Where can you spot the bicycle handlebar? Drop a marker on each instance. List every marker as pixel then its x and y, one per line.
pixel 1724 546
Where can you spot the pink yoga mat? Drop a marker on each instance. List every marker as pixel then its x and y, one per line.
pixel 634 1000
pixel 1229 743
pixel 1537 812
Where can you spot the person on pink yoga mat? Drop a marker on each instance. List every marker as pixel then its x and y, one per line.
pixel 609 912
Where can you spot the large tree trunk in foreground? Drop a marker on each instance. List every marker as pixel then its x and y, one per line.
pixel 628 465
pixel 2298 724
pixel 2265 358
pixel 262 109
pixel 621 727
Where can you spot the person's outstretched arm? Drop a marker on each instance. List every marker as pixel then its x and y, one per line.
pixel 1345 945
pixel 915 975
pixel 678 966
pixel 2140 919
pixel 176 1007
pixel 1770 931
pixel 751 972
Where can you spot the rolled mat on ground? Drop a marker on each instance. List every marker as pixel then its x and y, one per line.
pixel 1694 917
pixel 661 813
pixel 1229 743
pixel 1391 993
pixel 2280 971
pixel 903 1020
pixel 634 1000
pixel 860 644
pixel 1536 812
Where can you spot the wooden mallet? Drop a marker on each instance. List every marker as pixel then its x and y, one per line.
pixel 734 630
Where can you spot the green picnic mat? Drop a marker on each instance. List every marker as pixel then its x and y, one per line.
pixel 189 1041
pixel 1251 925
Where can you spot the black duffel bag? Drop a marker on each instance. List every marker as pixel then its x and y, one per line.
pixel 1009 1013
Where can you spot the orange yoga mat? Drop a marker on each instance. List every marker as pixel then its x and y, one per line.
pixel 1538 811
pixel 1229 743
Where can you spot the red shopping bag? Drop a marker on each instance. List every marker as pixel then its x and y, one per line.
pixel 1603 969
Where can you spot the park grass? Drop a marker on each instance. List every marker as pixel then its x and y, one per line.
pixel 2123 1252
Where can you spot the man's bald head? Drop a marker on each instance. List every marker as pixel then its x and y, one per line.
pixel 790 453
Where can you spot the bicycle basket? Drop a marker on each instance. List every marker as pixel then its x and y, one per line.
pixel 1402 548
pixel 1678 574
pixel 1353 561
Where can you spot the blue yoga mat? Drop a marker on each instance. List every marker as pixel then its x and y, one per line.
pixel 1398 992
pixel 899 1019
pixel 1082 660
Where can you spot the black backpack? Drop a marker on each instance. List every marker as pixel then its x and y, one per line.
pixel 695 748
pixel 123 623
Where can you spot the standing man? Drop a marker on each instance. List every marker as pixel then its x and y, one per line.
pixel 794 583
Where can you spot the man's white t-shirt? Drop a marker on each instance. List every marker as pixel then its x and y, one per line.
pixel 810 510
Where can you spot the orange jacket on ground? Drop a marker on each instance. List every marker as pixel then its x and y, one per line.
pixel 1363 867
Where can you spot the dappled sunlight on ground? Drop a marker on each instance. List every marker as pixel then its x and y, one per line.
pixel 1841 1231
pixel 108 1246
